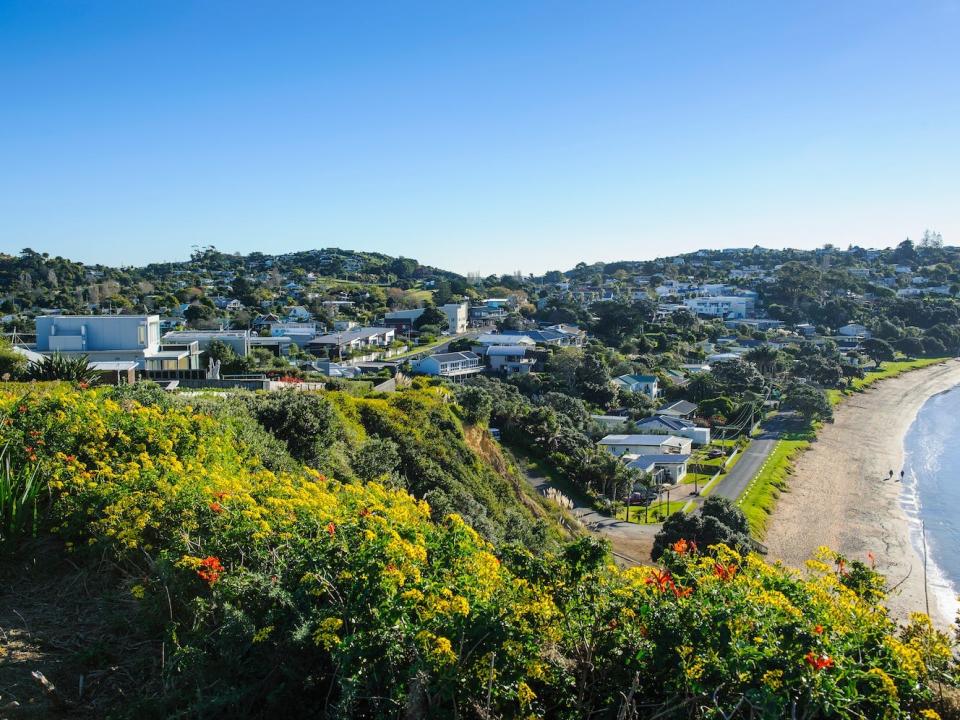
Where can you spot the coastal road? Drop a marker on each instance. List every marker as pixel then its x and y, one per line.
pixel 732 485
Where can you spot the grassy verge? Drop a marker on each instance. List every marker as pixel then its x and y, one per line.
pixel 761 494
pixel 887 370
pixel 758 500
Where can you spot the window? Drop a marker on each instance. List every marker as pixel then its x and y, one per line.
pixel 142 334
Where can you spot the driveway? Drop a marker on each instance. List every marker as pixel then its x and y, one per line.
pixel 631 542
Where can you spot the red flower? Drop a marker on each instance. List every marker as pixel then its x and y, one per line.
pixel 84 386
pixel 210 569
pixel 662 580
pixel 70 458
pixel 216 507
pixel 818 629
pixel 724 572
pixel 219 495
pixel 331 529
pixel 22 408
pixel 682 592
pixel 818 662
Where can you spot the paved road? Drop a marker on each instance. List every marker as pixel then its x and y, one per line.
pixel 732 485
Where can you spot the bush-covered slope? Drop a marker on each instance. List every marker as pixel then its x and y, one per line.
pixel 284 593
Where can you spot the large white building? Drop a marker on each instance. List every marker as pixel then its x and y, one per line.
pixel 114 338
pixel 723 306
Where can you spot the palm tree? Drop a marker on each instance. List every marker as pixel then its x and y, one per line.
pixel 72 368
pixel 767 359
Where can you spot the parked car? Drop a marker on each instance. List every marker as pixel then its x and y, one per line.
pixel 642 497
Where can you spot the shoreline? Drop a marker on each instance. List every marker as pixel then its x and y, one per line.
pixel 839 495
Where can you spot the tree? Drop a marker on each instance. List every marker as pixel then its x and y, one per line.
pixel 404 267
pixel 230 361
pixel 719 521
pixel 737 376
pixel 475 404
pixel 910 346
pixel 306 422
pixel 375 459
pixel 811 402
pixel 433 317
pixel 824 371
pixel 767 358
pixel 13 365
pixel 563 366
pixel 614 322
pixel 198 312
pixel 878 350
pixel 443 292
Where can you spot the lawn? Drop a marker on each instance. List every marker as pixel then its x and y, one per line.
pixel 887 370
pixel 655 514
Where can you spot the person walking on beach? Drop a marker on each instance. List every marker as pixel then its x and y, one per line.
pixel 891 475
pixel 901 476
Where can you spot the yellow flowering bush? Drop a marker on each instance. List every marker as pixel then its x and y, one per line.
pixel 288 593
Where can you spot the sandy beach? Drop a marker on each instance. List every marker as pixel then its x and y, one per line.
pixel 839 495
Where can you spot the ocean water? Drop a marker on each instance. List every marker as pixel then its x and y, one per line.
pixel 931 496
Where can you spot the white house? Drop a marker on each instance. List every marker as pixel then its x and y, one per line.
pixel 673 466
pixel 646 444
pixel 491 339
pixel 645 384
pixel 113 338
pixel 854 330
pixel 724 306
pixel 452 365
pixel 680 427
pixel 354 339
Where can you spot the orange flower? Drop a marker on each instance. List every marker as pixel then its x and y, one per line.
pixel 818 662
pixel 662 580
pixel 724 572
pixel 210 569
pixel 70 458
pixel 216 507
pixel 818 629
pixel 680 547
pixel 331 529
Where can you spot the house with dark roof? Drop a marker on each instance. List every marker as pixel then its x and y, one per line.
pixel 680 408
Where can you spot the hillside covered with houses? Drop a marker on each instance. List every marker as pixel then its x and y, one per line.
pixel 358 462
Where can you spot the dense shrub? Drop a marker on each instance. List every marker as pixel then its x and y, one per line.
pixel 289 594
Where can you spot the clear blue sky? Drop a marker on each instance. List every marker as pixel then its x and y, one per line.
pixel 481 136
